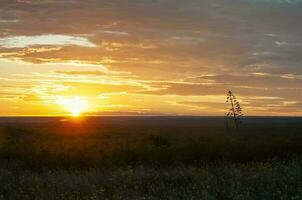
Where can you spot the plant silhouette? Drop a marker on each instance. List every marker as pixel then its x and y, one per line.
pixel 235 111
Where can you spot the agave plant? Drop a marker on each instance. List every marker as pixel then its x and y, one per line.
pixel 235 111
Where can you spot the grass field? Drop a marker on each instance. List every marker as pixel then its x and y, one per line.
pixel 150 158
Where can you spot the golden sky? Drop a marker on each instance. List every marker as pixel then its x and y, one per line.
pixel 142 57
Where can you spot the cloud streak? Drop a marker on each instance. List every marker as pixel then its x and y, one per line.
pixel 44 40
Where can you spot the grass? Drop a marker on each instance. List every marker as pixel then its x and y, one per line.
pixel 150 158
pixel 262 180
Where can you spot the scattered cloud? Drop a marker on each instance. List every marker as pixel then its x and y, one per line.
pixel 288 44
pixel 9 20
pixel 121 33
pixel 40 40
pixel 79 73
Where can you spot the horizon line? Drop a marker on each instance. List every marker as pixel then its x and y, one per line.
pixel 87 116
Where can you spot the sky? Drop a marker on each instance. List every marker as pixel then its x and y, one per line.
pixel 142 57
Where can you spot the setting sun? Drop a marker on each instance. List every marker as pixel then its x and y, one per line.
pixel 75 105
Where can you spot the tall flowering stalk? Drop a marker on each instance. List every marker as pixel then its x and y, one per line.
pixel 234 112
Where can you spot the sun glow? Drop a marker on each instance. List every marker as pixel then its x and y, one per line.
pixel 75 105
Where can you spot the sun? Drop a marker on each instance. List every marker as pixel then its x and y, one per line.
pixel 75 112
pixel 74 105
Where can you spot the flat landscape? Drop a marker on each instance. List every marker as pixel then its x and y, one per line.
pixel 150 158
pixel 150 100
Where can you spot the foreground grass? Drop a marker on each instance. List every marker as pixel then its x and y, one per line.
pixel 263 180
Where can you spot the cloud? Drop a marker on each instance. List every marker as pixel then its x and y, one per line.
pixel 256 80
pixel 79 73
pixel 120 33
pixel 95 89
pixel 9 20
pixel 48 40
pixel 288 44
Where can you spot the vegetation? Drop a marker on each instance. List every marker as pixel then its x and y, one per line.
pixel 235 111
pixel 151 158
pixel 264 180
